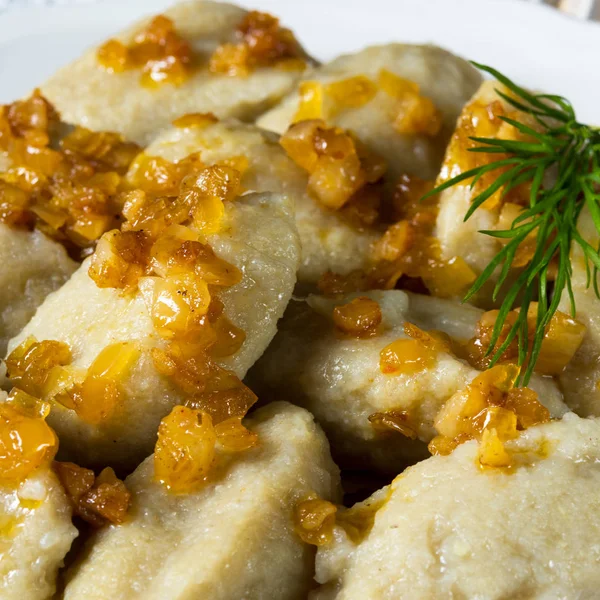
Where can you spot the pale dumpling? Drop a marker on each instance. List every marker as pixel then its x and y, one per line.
pixel 31 266
pixel 338 378
pixel 446 79
pixel 260 240
pixel 36 533
pixel 450 529
pixel 234 538
pixel 87 94
pixel 329 243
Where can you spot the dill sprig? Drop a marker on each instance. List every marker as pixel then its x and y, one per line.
pixel 561 164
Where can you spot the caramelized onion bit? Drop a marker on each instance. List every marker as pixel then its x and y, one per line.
pixel 158 50
pixel 490 403
pixel 481 118
pixel 339 166
pixel 232 436
pixel 406 357
pixel 359 318
pixel 314 520
pixel 30 364
pixel 69 188
pixel 393 420
pixel 26 441
pixel 261 42
pixel 185 450
pixel 561 340
pixel 97 500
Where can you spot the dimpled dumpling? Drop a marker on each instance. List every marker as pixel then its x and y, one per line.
pixel 447 80
pixel 339 376
pixel 450 529
pixel 258 241
pixel 35 535
pixel 32 266
pixel 234 538
pixel 115 98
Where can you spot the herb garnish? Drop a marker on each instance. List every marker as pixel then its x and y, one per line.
pixel 562 166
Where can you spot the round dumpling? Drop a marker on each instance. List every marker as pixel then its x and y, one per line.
pixel 367 95
pixel 87 94
pixel 36 534
pixel 446 79
pixel 234 538
pixel 339 378
pixel 31 266
pixel 450 528
pixel 259 240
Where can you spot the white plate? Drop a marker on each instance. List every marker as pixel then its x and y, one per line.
pixel 534 45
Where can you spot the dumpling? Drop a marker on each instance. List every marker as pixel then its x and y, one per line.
pixel 339 378
pixel 35 514
pixel 258 241
pixel 446 79
pixel 32 266
pixel 36 534
pixel 88 94
pixel 450 528
pixel 234 538
pixel 373 92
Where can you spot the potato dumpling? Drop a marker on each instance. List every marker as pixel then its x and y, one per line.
pixel 339 378
pixel 234 538
pixel 259 239
pixel 449 528
pixel 88 94
pixel 368 94
pixel 32 266
pixel 446 79
pixel 35 535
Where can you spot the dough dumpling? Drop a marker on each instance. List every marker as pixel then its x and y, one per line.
pixel 36 534
pixel 449 81
pixel 87 94
pixel 260 239
pixel 449 529
pixel 338 378
pixel 233 538
pixel 329 241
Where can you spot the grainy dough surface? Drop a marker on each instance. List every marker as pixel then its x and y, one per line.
pixel 86 94
pixel 443 77
pixel 339 379
pixel 232 539
pixel 451 530
pixel 31 266
pixel 40 537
